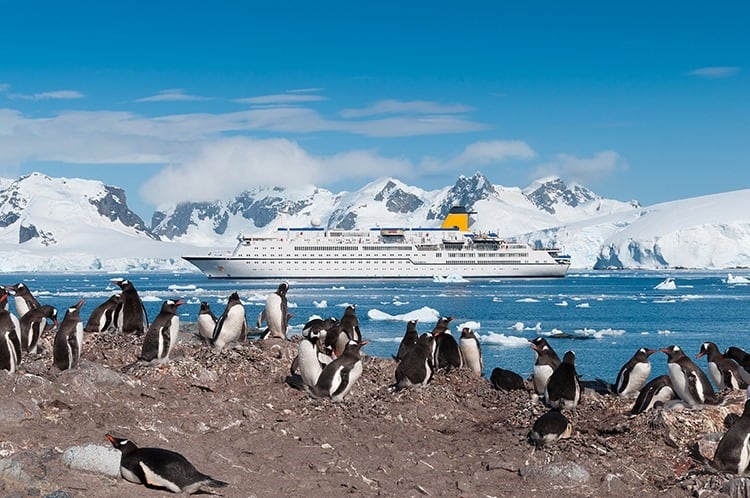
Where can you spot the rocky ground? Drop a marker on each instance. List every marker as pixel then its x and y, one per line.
pixel 233 416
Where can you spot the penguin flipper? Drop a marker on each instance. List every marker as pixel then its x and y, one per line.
pixel 295 365
pixel 261 318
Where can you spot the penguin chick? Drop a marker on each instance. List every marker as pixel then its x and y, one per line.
pixel 160 468
pixel 206 322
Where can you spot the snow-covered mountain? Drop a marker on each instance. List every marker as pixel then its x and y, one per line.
pixel 81 225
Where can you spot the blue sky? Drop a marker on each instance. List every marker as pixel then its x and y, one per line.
pixel 188 100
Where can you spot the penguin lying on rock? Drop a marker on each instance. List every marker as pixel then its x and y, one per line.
pixel 550 427
pixel 160 468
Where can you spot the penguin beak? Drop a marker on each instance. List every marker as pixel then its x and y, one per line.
pixel 649 352
pixel 110 438
pixel 699 355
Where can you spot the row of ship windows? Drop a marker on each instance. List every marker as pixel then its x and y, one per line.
pixel 393 262
pixel 438 255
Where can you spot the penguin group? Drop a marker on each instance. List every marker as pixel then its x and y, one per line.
pixel 329 359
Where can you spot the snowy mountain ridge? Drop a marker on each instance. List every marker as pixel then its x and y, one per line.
pixel 58 224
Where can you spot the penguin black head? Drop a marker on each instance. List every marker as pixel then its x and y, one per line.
pixel 73 310
pixel 569 358
pixel 707 348
pixel 467 333
pixel 672 351
pixel 282 289
pixel 119 443
pixel 170 305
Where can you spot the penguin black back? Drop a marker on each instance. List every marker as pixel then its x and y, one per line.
pixel 131 312
pixel 160 468
pixel 350 323
pixel 447 352
pixel 69 339
pixel 408 341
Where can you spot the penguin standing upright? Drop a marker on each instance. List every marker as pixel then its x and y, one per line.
pixel 471 351
pixel 160 468
pixel 231 325
pixel 724 372
pixel 206 322
pixel 733 451
pixel 634 374
pixel 335 341
pixel 688 381
pixel 350 323
pixel 550 427
pixel 5 298
pixel 657 390
pixel 319 325
pixel 10 346
pixel 69 339
pixel 546 361
pixel 23 299
pixel 131 314
pixel 103 316
pixel 276 314
pixel 162 334
pixel 408 341
pixel 447 353
pixel 742 359
pixel 563 389
pixel 338 377
pixel 416 367
pixel 307 362
pixel 33 323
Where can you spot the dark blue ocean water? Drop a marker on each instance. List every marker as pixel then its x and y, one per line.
pixel 610 314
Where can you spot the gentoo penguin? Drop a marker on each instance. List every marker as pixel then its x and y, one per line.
pixel 408 341
pixel 656 391
pixel 4 305
pixel 103 316
pixel 69 339
pixel 689 382
pixel 319 325
pixel 23 299
pixel 131 314
pixel 724 373
pixel 447 352
pixel 634 374
pixel 231 325
pixel 471 351
pixel 550 427
pixel 33 323
pixel 733 451
pixel 162 334
pixel 350 323
pixel 546 361
pixel 335 341
pixel 563 389
pixel 275 314
pixel 742 358
pixel 506 380
pixel 416 367
pixel 338 377
pixel 307 361
pixel 206 322
pixel 160 468
pixel 10 347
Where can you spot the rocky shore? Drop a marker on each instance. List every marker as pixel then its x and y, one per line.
pixel 234 418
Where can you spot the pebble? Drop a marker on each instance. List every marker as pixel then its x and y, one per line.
pixel 566 472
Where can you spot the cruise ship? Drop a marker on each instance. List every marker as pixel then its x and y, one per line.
pixel 316 252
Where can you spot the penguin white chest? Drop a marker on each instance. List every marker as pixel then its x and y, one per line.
pixel 309 366
pixel 343 390
pixel 275 315
pixel 744 460
pixel 174 331
pixel 232 327
pixel 472 355
pixel 716 377
pixel 206 326
pixel 541 377
pixel 680 381
pixel 638 376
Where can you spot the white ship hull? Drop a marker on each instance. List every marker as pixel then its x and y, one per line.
pixel 342 255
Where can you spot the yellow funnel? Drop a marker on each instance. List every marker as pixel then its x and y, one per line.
pixel 457 219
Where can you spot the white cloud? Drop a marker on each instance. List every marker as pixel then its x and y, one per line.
pixel 4 87
pixel 54 95
pixel 715 72
pixel 281 99
pixel 172 95
pixel 224 168
pixel 586 171
pixel 481 153
pixel 410 107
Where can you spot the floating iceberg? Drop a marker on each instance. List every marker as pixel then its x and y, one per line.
pixel 667 284
pixel 737 280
